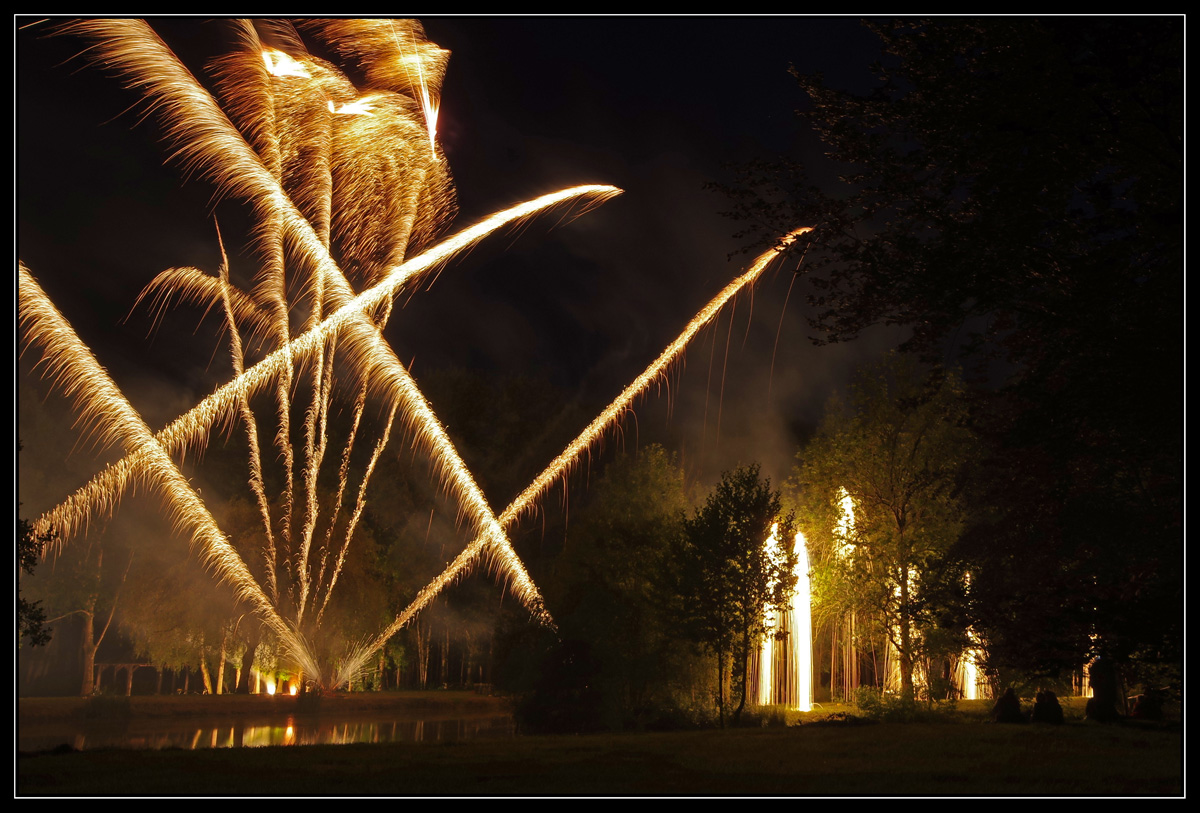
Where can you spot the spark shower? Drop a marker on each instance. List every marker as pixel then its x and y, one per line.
pixel 328 169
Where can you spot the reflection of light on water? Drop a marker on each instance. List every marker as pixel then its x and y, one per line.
pixel 291 731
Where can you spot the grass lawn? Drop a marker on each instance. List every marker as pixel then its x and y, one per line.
pixel 961 756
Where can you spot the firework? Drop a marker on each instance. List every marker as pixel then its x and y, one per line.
pixel 326 168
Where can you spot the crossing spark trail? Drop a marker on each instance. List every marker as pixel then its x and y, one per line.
pixel 605 421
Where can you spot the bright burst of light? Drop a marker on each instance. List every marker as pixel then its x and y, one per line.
pixel 802 627
pixel 280 64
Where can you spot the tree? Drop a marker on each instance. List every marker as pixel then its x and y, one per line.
pixel 611 583
pixel 1013 193
pixel 84 582
pixel 897 450
pixel 31 618
pixel 727 579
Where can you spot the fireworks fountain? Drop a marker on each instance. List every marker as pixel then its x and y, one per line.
pixel 327 169
pixel 785 658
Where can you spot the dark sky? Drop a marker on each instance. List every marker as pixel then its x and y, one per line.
pixel 656 106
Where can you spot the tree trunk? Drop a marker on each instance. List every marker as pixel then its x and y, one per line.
pixel 243 684
pixel 221 663
pixel 445 675
pixel 721 687
pixel 87 649
pixel 906 663
pixel 208 688
pixel 422 655
pixel 744 666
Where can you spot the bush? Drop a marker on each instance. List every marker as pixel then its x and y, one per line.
pixel 890 708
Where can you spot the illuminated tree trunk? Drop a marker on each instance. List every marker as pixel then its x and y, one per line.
pixel 422 655
pixel 220 688
pixel 88 649
pixel 208 687
pixel 906 661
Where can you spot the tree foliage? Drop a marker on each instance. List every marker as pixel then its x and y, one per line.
pixel 620 636
pixel 727 580
pixel 31 618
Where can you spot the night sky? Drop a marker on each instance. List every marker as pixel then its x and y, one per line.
pixel 656 106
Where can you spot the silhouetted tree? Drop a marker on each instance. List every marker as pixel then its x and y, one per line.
pixel 727 580
pixel 612 583
pixel 31 618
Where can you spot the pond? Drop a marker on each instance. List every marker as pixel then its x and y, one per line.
pixel 335 723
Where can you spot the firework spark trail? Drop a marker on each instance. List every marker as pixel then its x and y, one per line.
pixel 354 517
pixel 590 435
pixel 251 426
pixel 193 286
pixel 109 416
pixel 302 94
pixel 191 430
pixel 343 477
pixel 721 395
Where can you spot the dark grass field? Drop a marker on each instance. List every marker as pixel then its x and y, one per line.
pixel 960 756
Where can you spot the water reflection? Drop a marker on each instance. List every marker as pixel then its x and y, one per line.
pixel 296 730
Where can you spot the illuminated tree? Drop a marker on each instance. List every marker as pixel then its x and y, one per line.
pixel 727 580
pixel 897 450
